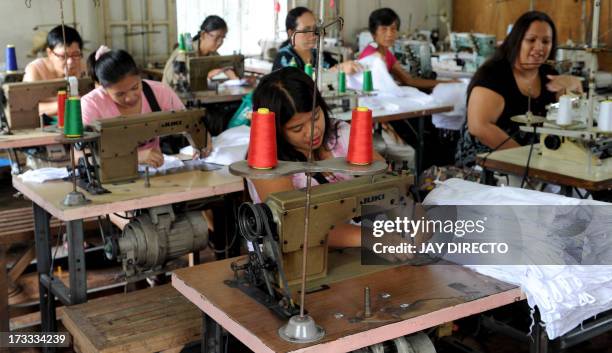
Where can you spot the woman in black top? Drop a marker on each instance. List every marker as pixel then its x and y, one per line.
pixel 500 88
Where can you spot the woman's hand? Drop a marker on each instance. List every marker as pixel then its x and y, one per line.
pixel 350 67
pixel 564 83
pixel 151 156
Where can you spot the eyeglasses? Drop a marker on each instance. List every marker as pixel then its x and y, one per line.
pixel 73 56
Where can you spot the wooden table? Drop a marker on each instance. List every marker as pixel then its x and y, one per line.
pixel 25 138
pixel 222 95
pixel 47 200
pixel 383 116
pixel 438 294
pixel 28 138
pixel 568 174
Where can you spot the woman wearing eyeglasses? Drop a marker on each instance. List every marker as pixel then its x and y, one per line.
pixel 206 42
pixel 59 57
pixel 302 50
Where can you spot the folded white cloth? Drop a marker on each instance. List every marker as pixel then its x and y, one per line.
pixel 565 295
pixel 44 174
pixel 228 147
pixel 234 83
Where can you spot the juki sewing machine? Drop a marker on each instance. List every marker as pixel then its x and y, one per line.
pixel 158 234
pixel 275 231
pixel 22 98
pixel 116 150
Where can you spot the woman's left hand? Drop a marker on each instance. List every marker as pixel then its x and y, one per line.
pixel 350 67
pixel 567 83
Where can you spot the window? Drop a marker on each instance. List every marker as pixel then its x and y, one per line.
pixel 248 21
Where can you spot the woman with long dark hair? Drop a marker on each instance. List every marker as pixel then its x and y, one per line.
pixel 288 93
pixel 502 87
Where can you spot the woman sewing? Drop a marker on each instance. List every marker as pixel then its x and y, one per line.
pixel 515 79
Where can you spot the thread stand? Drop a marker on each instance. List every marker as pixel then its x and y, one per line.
pixel 75 197
pixel 284 168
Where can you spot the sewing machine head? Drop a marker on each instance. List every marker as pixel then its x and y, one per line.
pixel 275 228
pixel 199 67
pixel 116 152
pixel 566 134
pixel 415 55
pixel 22 98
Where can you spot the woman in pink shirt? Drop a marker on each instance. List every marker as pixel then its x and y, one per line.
pixel 120 92
pixel 384 24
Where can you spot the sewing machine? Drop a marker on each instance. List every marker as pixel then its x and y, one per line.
pixel 275 231
pixel 21 109
pixel 575 141
pixel 415 56
pixel 116 150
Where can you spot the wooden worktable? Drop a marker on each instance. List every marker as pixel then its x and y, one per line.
pixel 550 170
pixel 28 138
pixel 383 116
pixel 222 95
pixel 164 190
pixel 438 293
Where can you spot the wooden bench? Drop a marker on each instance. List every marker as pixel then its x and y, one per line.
pixel 149 320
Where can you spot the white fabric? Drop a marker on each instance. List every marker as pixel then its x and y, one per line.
pixel 234 83
pixel 44 174
pixel 388 96
pixel 228 147
pixel 451 94
pixel 565 295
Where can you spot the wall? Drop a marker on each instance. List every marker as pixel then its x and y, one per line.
pixel 17 23
pixel 494 16
pixel 412 14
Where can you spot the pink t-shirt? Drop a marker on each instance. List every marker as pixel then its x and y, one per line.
pixel 340 149
pixel 42 69
pixel 97 104
pixel 390 59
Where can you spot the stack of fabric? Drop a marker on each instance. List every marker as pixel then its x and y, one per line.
pixel 565 294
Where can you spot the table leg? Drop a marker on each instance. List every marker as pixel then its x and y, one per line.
pixel 43 267
pixel 4 308
pixel 420 150
pixel 488 177
pixel 76 262
pixel 211 335
pixel 15 168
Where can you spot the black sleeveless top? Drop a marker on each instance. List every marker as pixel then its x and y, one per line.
pixel 498 77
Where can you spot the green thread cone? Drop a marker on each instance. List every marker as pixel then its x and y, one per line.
pixel 341 82
pixel 181 42
pixel 367 81
pixel 308 69
pixel 293 63
pixel 73 123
